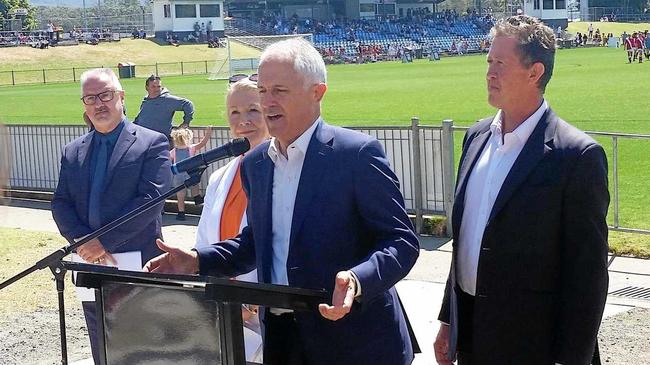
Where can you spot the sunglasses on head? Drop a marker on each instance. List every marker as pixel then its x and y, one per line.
pixel 238 77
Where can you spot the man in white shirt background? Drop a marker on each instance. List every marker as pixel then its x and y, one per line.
pixel 528 279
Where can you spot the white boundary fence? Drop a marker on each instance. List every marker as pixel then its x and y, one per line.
pixel 421 156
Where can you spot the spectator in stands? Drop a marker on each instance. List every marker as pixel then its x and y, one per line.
pixel 197 30
pixel 50 30
pixel 171 39
pixel 191 38
pixel 204 33
pixel 159 106
pixel 184 149
pixel 208 29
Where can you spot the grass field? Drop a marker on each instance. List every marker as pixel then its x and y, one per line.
pixel 594 89
pixel 608 27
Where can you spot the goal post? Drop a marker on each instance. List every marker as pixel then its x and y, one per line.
pixel 243 53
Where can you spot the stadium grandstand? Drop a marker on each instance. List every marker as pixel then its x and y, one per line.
pixel 420 31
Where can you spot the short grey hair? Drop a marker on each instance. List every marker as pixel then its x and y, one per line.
pixel 306 59
pixel 95 72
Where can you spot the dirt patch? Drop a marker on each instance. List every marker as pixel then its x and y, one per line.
pixel 625 338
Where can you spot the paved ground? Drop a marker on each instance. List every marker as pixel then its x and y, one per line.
pixel 421 290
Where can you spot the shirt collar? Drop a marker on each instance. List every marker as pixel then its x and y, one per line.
pixel 113 135
pixel 523 130
pixel 301 144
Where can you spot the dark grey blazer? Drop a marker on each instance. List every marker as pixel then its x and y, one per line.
pixel 542 271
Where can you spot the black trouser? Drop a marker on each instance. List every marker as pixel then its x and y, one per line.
pixel 282 343
pixel 465 326
pixel 90 313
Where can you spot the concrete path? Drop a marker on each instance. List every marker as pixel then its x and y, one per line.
pixel 421 291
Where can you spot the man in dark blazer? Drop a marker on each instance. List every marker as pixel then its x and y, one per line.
pixel 109 171
pixel 324 211
pixel 528 279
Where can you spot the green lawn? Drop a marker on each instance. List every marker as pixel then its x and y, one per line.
pixel 608 27
pixel 594 89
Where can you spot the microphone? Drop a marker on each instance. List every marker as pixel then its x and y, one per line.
pixel 233 148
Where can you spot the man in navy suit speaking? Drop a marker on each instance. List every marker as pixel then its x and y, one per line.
pixel 324 211
pixel 107 172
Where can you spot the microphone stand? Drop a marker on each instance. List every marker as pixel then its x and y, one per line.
pixel 53 260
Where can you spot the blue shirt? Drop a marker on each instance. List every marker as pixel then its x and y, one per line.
pixel 112 137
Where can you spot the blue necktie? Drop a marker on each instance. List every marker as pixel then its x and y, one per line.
pixel 97 185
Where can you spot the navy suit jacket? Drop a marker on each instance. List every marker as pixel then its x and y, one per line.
pixel 138 171
pixel 349 215
pixel 542 271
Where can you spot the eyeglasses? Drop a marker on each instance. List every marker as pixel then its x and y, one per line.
pixel 104 96
pixel 238 77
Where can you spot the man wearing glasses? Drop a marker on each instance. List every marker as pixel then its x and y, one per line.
pixel 107 172
pixel 159 106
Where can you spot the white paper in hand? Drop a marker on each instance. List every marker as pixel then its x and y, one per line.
pixel 131 261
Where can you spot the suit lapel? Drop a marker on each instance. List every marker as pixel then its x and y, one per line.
pixel 264 175
pixel 124 141
pixel 310 177
pixel 537 146
pixel 83 158
pixel 474 150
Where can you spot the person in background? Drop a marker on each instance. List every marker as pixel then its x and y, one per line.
pixel 224 213
pixel 114 168
pixel 184 149
pixel 159 106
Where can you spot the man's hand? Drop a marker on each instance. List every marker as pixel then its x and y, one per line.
pixel 93 252
pixel 441 345
pixel 175 260
pixel 344 289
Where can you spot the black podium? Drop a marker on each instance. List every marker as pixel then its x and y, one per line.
pixel 146 318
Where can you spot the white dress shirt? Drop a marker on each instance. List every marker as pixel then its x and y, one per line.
pixel 286 176
pixel 485 181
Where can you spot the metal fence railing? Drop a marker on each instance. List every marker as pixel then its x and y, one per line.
pixel 53 75
pixel 610 142
pixel 421 156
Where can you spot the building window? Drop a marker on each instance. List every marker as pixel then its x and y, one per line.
pixel 536 4
pixel 560 4
pixel 386 9
pixel 548 4
pixel 367 8
pixel 188 11
pixel 210 11
pixel 167 10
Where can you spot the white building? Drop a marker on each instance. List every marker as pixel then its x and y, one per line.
pixel 180 16
pixel 551 12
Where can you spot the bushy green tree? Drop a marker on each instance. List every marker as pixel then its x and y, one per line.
pixel 6 7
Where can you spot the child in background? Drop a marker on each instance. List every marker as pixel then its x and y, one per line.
pixel 184 149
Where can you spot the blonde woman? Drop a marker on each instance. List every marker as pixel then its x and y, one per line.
pixel 223 214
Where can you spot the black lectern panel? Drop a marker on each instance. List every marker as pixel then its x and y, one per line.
pixel 157 319
pixel 145 324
